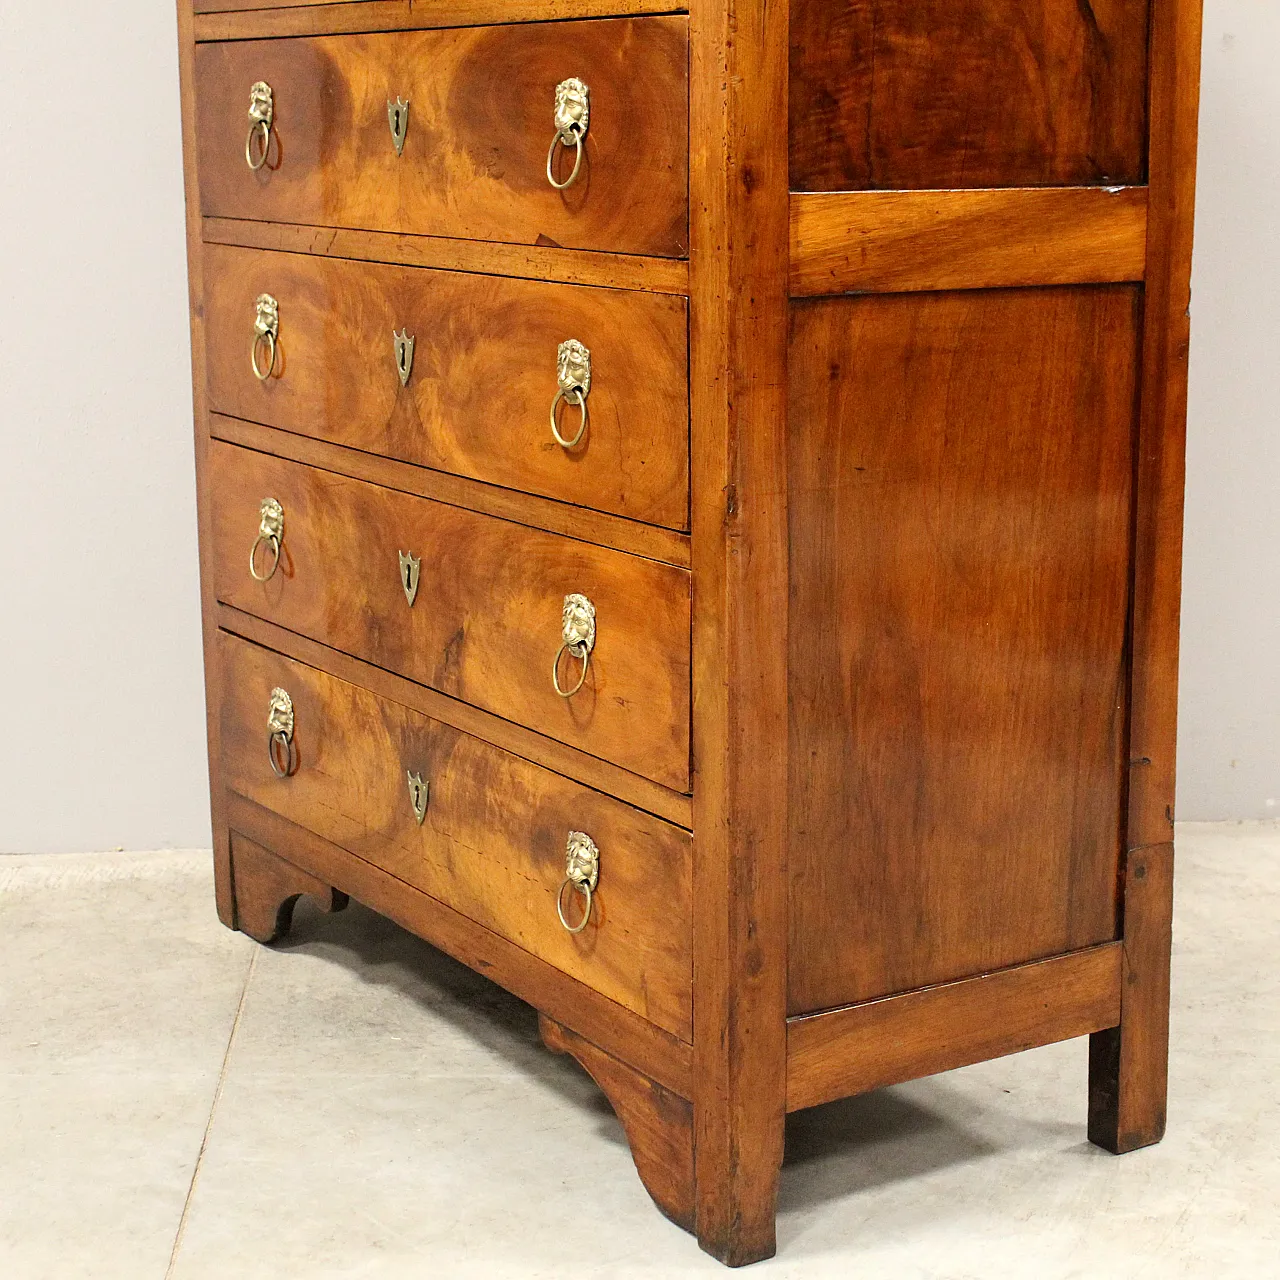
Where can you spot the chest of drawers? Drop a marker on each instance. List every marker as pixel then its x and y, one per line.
pixel 690 512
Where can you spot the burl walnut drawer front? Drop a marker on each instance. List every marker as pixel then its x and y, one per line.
pixel 585 644
pixel 457 132
pixel 485 832
pixel 463 373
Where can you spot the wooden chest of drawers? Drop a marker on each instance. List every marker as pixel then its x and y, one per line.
pixel 690 515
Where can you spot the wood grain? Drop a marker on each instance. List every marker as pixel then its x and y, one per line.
pixel 228 19
pixel 513 738
pixel 738 298
pixel 899 241
pixel 224 895
pixel 483 377
pixel 1157 579
pixel 646 540
pixel 267 888
pixel 910 94
pixel 658 1123
pixel 961 482
pixel 481 120
pixel 629 1037
pixel 854 1050
pixel 500 863
pixel 529 262
pixel 486 624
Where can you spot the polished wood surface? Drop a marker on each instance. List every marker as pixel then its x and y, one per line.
pixel 961 484
pixel 528 262
pixel 267 888
pixel 481 121
pixel 1129 1063
pixel 628 1036
pixel 483 376
pixel 499 863
pixel 657 1122
pixel 738 289
pixel 514 738
pixel 844 1052
pixel 240 19
pixel 486 623
pixel 901 241
pixel 915 94
pixel 648 540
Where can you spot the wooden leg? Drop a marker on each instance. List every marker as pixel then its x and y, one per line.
pixel 1129 1064
pixel 658 1124
pixel 266 887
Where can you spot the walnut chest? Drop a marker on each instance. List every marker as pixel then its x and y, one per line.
pixel 690 509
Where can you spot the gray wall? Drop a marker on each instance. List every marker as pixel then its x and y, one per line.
pixel 101 727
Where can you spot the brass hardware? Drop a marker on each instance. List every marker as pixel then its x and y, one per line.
pixel 270 531
pixel 582 873
pixel 398 116
pixel 419 795
pixel 261 113
pixel 572 116
pixel 404 355
pixel 410 572
pixel 578 627
pixel 573 373
pixel 266 328
pixel 280 734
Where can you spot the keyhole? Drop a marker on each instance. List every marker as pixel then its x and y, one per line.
pixel 407 583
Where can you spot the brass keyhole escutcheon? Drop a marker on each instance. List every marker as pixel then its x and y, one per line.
pixel 419 796
pixel 398 118
pixel 410 575
pixel 404 345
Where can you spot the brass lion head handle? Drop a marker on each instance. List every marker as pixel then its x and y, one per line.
pixel 572 116
pixel 280 750
pixel 262 112
pixel 573 379
pixel 578 632
pixel 581 874
pixel 266 333
pixel 271 535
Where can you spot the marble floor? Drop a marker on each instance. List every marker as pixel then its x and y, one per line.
pixel 176 1101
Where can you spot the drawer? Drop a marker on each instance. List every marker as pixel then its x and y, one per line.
pixel 493 838
pixel 474 394
pixel 485 623
pixel 481 117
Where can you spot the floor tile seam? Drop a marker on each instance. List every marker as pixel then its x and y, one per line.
pixel 213 1112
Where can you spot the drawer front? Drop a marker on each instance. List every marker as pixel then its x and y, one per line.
pixel 485 624
pixel 493 837
pixel 474 155
pixel 474 394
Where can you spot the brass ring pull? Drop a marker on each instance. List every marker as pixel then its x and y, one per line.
pixel 266 328
pixel 258 339
pixel 270 532
pixel 575 395
pixel 584 655
pixel 572 116
pixel 586 892
pixel 573 376
pixel 261 114
pixel 578 629
pixel 582 874
pixel 280 750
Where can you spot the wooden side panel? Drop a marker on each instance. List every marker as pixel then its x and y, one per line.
pixel 492 844
pixel 481 105
pixel 960 496
pixel 914 94
pixel 485 625
pixel 904 241
pixel 868 1046
pixel 482 380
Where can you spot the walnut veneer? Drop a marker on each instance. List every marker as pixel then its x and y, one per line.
pixel 805 722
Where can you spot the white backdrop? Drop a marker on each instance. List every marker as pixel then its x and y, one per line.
pixel 101 721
